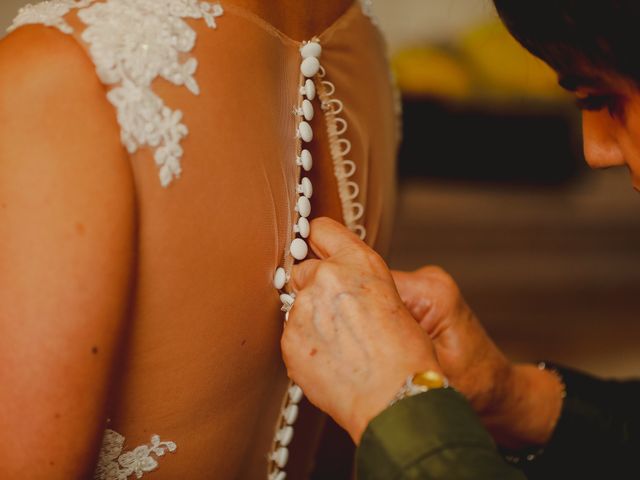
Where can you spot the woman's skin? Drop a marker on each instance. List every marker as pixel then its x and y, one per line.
pixel 297 18
pixel 109 287
pixel 58 319
pixel 610 120
pixel 348 342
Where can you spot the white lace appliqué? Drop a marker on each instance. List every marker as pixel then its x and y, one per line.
pixel 115 465
pixel 367 9
pixel 50 13
pixel 133 42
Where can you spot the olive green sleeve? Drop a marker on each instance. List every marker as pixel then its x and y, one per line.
pixel 434 435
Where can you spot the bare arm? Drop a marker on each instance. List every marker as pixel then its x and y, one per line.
pixel 66 255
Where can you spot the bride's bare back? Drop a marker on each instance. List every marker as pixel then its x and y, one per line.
pixel 137 285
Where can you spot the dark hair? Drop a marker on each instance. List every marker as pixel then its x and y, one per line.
pixel 578 37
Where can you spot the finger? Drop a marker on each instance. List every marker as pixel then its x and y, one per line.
pixel 291 338
pixel 329 238
pixel 413 291
pixel 407 285
pixel 302 273
pixel 426 280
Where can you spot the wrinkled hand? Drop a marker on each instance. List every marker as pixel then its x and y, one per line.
pixel 519 404
pixel 470 359
pixel 350 342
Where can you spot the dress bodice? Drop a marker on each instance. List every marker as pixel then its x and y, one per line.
pixel 210 100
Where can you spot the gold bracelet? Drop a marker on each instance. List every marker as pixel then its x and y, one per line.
pixel 420 383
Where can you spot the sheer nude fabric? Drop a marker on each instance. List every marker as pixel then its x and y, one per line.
pixel 201 365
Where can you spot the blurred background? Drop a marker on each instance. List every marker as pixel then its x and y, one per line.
pixel 495 190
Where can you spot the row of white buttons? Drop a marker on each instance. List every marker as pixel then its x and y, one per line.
pixel 305 160
pixel 299 249
pixel 310 66
pixel 284 436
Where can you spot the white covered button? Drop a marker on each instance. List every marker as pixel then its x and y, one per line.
pixel 306 187
pixel 278 475
pixel 304 206
pixel 285 435
pixel 307 110
pixel 302 227
pixel 299 249
pixel 305 160
pixel 311 49
pixel 295 394
pixel 281 456
pixel 305 131
pixel 287 300
pixel 310 66
pixel 279 278
pixel 290 414
pixel 309 89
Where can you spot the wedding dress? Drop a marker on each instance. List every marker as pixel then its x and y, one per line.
pixel 229 130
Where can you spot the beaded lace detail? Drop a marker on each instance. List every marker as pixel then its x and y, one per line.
pixel 115 465
pixel 367 9
pixel 133 42
pixel 50 13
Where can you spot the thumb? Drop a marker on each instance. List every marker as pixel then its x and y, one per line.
pixel 404 284
pixel 303 273
pixel 414 293
pixel 329 238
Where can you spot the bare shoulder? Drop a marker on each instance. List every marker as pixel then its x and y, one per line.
pixel 55 113
pixel 61 157
pixel 34 55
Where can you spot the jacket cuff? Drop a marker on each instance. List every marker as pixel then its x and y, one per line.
pixel 594 430
pixel 416 428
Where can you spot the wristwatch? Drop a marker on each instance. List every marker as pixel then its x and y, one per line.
pixel 420 383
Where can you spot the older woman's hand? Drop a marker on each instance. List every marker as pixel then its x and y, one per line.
pixel 472 362
pixel 350 342
pixel 519 404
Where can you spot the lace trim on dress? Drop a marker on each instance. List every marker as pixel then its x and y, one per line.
pixel 133 42
pixel 115 465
